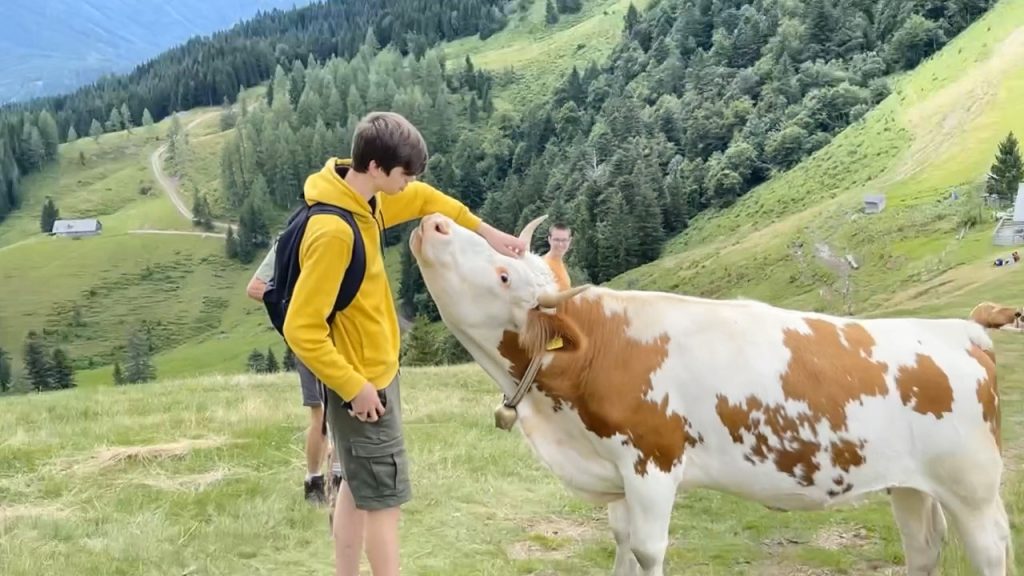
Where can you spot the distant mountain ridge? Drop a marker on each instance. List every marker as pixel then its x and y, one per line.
pixel 53 46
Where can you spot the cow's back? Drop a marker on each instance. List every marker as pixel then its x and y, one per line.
pixel 803 410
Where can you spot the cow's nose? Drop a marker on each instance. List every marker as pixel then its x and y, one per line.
pixel 441 227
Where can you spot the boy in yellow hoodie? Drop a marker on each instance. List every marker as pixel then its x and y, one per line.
pixel 356 355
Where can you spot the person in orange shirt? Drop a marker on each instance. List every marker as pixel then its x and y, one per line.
pixel 559 239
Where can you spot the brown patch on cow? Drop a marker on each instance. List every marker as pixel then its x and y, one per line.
pixel 925 387
pixel 847 455
pixel 605 375
pixel 827 373
pixel 828 369
pixel 988 392
pixel 791 447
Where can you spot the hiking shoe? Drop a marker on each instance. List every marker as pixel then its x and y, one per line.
pixel 314 490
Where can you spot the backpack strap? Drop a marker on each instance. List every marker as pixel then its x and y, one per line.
pixel 351 281
pixel 356 271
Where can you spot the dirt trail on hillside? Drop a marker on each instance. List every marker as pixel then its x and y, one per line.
pixel 169 184
pixel 183 232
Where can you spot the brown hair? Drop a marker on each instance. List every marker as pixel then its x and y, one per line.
pixel 390 140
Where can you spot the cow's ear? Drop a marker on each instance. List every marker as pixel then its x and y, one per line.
pixel 550 332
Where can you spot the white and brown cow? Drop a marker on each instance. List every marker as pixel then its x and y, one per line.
pixel 991 315
pixel 637 394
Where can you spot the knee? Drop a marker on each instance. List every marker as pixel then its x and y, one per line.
pixel 649 555
pixel 621 535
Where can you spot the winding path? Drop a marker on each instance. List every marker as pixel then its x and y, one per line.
pixel 170 185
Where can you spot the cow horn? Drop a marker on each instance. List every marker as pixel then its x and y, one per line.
pixel 526 235
pixel 547 300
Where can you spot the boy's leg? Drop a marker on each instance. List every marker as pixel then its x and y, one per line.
pixel 376 479
pixel 347 530
pixel 316 441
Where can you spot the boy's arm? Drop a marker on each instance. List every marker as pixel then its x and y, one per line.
pixel 258 283
pixel 325 255
pixel 420 199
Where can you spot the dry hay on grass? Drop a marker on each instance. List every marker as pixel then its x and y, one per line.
pixel 15 511
pixel 109 457
pixel 184 482
pixel 550 538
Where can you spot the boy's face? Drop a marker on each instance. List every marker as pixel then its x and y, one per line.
pixel 390 182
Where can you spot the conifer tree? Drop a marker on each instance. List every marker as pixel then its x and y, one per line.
pixel 1007 172
pixel 49 215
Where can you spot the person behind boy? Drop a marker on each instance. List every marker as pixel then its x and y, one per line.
pixel 356 355
pixel 559 238
pixel 317 445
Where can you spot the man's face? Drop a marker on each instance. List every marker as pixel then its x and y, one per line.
pixel 559 241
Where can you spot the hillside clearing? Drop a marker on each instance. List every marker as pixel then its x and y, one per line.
pixel 934 135
pixel 534 57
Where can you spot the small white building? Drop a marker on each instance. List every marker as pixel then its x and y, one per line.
pixel 76 228
pixel 874 203
pixel 1010 230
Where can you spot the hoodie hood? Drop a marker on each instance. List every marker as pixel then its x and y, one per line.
pixel 328 186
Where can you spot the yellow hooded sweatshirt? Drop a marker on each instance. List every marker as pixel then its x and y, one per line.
pixel 362 343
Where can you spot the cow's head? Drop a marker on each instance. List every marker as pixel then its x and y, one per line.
pixel 482 294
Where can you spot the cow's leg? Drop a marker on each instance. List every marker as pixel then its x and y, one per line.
pixel 985 533
pixel 922 527
pixel 968 488
pixel 618 519
pixel 649 500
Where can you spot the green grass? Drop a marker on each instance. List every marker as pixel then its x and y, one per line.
pixel 183 285
pixel 937 132
pixel 115 168
pixel 539 56
pixel 86 293
pixel 202 476
pixel 204 173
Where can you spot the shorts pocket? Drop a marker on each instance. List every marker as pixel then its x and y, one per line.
pixel 381 464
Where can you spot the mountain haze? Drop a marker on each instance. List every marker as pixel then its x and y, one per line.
pixel 53 46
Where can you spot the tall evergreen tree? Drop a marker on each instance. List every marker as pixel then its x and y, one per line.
pixel 49 215
pixel 256 362
pixel 37 362
pixel 6 371
pixel 95 130
pixel 550 12
pixel 1007 171
pixel 139 365
pixel 270 362
pixel 62 373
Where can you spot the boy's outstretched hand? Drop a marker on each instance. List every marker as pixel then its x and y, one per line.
pixel 504 243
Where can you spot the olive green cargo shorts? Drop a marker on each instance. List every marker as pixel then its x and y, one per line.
pixel 372 454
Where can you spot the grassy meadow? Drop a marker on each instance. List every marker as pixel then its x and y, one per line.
pixel 111 481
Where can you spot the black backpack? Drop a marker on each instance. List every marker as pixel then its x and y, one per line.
pixel 279 290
